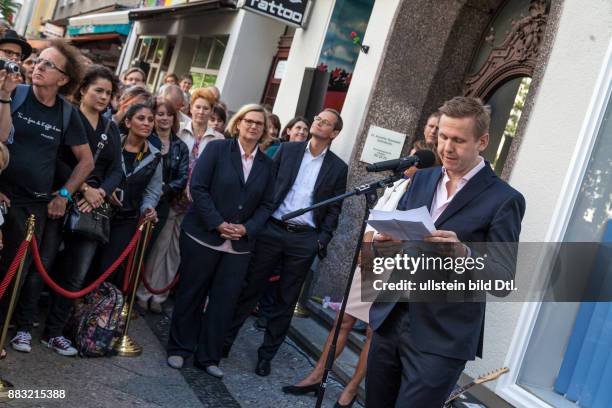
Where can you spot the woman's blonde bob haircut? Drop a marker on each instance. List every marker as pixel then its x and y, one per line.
pixel 232 126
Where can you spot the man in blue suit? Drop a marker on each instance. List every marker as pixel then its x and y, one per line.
pixel 419 349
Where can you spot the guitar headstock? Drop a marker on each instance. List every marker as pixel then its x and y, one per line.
pixel 493 375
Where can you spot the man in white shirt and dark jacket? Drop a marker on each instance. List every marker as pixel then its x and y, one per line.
pixel 307 173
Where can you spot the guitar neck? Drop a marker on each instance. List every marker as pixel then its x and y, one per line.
pixel 459 391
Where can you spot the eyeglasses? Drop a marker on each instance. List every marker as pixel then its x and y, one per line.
pixel 11 54
pixel 46 64
pixel 255 123
pixel 322 121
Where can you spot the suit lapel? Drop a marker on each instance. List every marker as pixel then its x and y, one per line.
pixel 297 162
pixel 477 184
pixel 325 168
pixel 236 160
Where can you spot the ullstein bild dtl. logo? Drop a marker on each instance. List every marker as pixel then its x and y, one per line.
pixel 289 11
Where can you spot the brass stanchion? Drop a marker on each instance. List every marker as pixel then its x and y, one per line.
pixel 6 385
pixel 300 310
pixel 126 347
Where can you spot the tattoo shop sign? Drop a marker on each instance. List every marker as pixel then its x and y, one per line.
pixel 290 12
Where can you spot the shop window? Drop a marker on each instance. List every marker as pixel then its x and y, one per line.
pixel 207 60
pixel 568 362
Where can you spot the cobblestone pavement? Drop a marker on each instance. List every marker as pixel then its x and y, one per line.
pixel 147 381
pixel 240 386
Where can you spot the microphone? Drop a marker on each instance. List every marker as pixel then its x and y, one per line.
pixel 421 158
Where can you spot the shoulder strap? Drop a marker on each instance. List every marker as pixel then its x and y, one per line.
pixel 103 139
pixel 21 93
pixel 66 113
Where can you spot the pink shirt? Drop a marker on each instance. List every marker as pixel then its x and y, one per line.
pixel 441 199
pixel 247 165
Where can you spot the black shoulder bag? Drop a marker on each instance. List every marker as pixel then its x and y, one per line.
pixel 95 224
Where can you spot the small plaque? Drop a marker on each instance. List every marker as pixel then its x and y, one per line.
pixel 382 144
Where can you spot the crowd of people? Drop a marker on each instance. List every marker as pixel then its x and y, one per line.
pixel 215 183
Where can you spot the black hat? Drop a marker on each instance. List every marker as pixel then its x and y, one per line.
pixel 11 36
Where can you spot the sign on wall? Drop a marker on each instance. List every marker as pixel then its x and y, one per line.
pixel 382 144
pixel 290 12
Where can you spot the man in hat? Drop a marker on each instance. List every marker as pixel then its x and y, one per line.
pixel 13 47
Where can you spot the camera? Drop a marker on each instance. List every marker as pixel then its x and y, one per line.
pixel 10 66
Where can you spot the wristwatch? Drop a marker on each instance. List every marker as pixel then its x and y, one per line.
pixel 63 192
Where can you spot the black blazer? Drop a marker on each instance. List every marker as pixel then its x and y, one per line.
pixel 486 209
pixel 331 182
pixel 220 194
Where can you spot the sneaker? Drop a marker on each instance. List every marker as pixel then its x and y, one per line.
pixel 61 345
pixel 176 361
pixel 22 342
pixel 215 371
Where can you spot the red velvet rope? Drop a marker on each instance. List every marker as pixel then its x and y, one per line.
pixel 73 295
pixel 10 274
pixel 159 291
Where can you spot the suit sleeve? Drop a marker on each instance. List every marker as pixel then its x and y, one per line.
pixel 278 157
pixel 501 243
pixel 201 180
pixel 264 210
pixel 330 222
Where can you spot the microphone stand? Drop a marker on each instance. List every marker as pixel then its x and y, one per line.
pixel 369 190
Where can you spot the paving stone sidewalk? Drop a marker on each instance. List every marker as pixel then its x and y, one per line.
pixel 146 381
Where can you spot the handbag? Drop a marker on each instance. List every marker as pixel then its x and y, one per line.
pixel 95 224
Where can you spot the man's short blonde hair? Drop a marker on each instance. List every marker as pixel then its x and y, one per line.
pixel 467 107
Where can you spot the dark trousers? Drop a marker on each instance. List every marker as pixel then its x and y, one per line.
pixel 204 272
pixel 14 231
pixel 121 232
pixel 77 260
pixel 27 307
pixel 399 375
pixel 295 251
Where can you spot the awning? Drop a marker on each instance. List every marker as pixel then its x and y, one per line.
pixel 94 37
pixel 112 18
pixel 181 9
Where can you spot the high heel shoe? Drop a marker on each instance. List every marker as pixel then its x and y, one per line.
pixel 301 389
pixel 338 405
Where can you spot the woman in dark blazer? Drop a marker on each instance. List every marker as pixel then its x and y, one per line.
pixel 232 187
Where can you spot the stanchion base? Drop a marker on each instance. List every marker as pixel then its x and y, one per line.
pixel 126 347
pixel 4 389
pixel 300 311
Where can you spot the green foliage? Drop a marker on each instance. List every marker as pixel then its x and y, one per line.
pixel 8 8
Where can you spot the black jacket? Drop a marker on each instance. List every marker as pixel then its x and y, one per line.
pixel 331 182
pixel 220 194
pixel 175 166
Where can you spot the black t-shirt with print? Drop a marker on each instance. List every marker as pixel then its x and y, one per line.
pixel 38 136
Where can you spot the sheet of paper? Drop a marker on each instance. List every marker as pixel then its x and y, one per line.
pixel 410 225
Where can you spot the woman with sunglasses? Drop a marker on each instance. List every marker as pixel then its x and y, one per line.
pixel 140 190
pixel 232 188
pixel 164 256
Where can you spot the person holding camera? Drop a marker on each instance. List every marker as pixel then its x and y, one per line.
pixel 42 123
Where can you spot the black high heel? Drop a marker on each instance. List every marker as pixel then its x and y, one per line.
pixel 338 405
pixel 301 389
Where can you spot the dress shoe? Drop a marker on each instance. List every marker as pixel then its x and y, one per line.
pixel 339 405
pixel 214 370
pixel 301 389
pixel 263 368
pixel 176 361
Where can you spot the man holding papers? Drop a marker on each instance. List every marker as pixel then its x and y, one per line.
pixel 419 350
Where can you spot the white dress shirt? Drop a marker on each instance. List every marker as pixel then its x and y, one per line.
pixel 441 199
pixel 247 166
pixel 301 192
